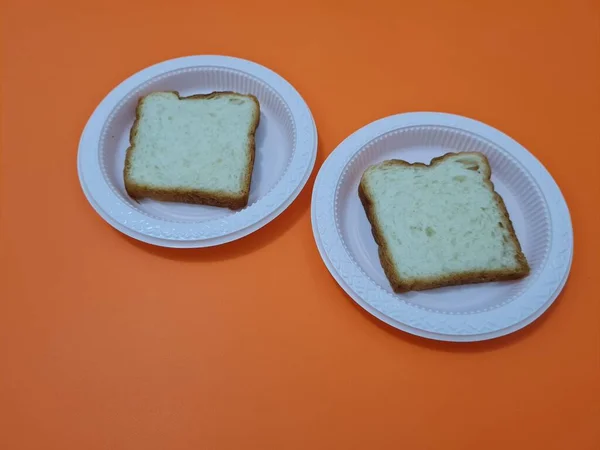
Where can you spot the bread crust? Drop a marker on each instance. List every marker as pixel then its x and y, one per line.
pixel 419 284
pixel 198 197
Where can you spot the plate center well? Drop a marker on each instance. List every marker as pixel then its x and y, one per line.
pixel 275 138
pixel 420 144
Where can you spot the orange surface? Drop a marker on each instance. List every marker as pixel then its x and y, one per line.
pixel 106 343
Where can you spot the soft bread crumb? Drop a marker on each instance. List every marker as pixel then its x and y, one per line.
pixel 197 149
pixel 442 224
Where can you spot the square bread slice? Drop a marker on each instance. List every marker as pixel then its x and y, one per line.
pixel 440 224
pixel 197 149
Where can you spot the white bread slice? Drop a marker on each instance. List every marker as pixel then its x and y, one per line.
pixel 197 149
pixel 440 224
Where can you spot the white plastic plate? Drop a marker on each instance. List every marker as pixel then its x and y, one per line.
pixel 462 313
pixel 286 149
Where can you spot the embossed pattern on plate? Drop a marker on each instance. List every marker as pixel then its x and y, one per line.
pixel 462 313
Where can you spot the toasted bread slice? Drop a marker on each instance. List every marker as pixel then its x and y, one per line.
pixel 197 149
pixel 440 224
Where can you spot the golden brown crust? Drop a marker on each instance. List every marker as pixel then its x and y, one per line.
pixel 222 199
pixel 402 285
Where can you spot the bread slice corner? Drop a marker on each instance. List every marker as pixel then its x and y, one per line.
pixel 440 224
pixel 198 149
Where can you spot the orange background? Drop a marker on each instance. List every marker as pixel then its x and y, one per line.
pixel 106 343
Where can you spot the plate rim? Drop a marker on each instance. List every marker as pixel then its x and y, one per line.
pixel 103 110
pixel 353 143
